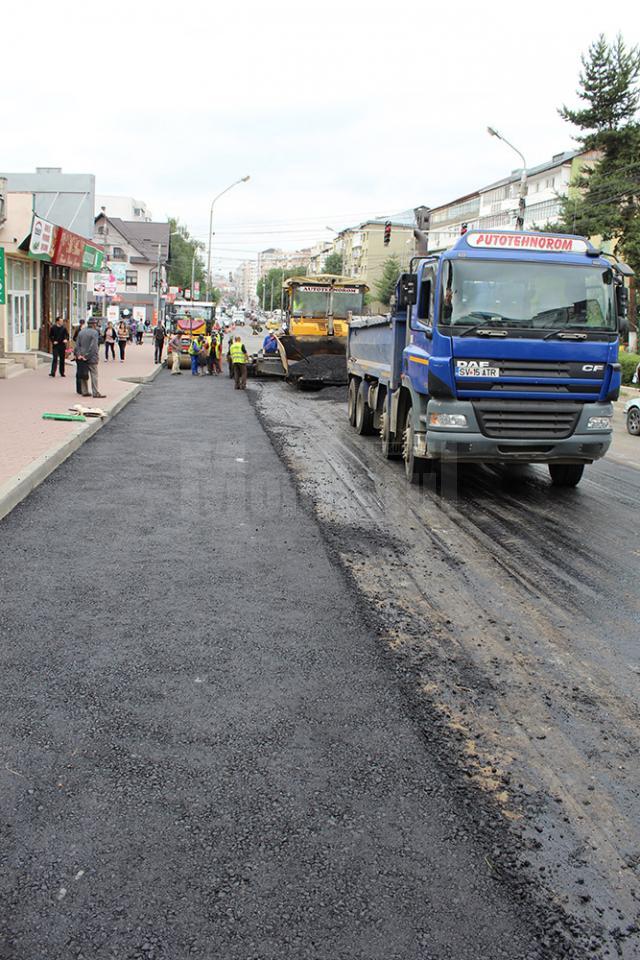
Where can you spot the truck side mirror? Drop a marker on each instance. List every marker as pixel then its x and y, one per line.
pixel 622 303
pixel 407 290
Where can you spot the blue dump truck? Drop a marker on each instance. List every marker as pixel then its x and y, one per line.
pixel 503 349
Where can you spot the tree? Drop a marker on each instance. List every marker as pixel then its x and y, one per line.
pixel 605 197
pixel 386 285
pixel 183 251
pixel 272 280
pixel 608 85
pixel 333 264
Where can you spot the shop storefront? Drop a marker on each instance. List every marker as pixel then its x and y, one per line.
pixel 21 279
pixel 66 259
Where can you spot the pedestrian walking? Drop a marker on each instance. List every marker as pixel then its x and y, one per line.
pixel 158 342
pixel 87 351
pixel 239 357
pixel 110 338
pixel 176 349
pixel 59 337
pixel 194 350
pixel 123 336
pixel 133 330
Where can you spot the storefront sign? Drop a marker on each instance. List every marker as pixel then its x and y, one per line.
pixel 113 314
pixel 92 258
pixel 140 314
pixel 43 239
pixel 69 250
pixel 2 300
pixel 73 251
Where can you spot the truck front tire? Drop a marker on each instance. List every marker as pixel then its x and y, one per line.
pixel 414 467
pixel 566 474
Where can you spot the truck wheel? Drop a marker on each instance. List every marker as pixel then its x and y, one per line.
pixel 352 396
pixel 633 421
pixel 391 449
pixel 566 474
pixel 364 414
pixel 413 466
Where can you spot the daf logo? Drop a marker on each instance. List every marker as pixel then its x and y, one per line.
pixel 593 367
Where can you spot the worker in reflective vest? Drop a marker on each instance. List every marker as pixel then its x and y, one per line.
pixel 238 357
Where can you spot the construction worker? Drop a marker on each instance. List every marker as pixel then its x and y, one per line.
pixel 270 343
pixel 239 357
pixel 194 351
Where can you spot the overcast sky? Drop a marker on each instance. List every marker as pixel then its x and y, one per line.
pixel 337 110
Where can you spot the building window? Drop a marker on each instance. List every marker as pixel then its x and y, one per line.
pixel 131 278
pixel 78 297
pixel 118 254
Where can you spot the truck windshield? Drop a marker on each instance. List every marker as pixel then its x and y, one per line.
pixel 314 301
pixel 345 301
pixel 537 296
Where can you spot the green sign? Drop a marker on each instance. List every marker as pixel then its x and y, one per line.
pixel 2 300
pixel 92 258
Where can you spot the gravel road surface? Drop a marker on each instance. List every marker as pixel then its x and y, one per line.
pixel 206 748
pixel 511 612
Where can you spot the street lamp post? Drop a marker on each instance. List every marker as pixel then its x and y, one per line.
pixel 226 190
pixel 523 178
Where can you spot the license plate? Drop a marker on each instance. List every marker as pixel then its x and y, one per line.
pixel 476 371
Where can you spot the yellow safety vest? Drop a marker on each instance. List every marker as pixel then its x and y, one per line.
pixel 237 353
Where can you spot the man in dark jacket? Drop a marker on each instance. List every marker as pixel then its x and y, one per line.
pixel 158 341
pixel 59 337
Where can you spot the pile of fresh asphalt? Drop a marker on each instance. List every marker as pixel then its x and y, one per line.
pixel 206 751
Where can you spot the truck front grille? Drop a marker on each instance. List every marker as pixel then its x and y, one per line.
pixel 527 420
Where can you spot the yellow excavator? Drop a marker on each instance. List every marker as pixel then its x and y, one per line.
pixel 312 346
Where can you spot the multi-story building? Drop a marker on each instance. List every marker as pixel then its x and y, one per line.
pixel 496 205
pixel 364 253
pixel 136 253
pixel 246 280
pixel 126 208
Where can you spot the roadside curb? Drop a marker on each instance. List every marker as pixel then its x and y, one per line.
pixel 148 379
pixel 20 486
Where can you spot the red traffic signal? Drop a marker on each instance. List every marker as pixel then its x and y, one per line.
pixel 387 233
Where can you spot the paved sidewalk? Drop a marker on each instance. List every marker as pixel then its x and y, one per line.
pixel 32 447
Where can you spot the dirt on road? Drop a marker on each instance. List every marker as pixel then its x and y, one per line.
pixel 511 611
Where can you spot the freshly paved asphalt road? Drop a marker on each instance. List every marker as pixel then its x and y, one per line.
pixel 204 751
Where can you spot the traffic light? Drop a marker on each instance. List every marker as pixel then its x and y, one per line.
pixel 387 233
pixel 463 229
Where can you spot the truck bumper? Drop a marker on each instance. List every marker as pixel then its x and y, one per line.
pixel 471 445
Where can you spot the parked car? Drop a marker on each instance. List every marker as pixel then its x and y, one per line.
pixel 632 410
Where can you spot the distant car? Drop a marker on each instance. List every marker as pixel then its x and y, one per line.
pixel 632 410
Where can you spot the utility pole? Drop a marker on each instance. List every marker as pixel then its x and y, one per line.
pixel 523 178
pixel 158 286
pixel 271 301
pixel 222 192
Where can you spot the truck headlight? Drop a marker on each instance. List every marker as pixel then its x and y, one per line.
pixel 456 420
pixel 599 423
